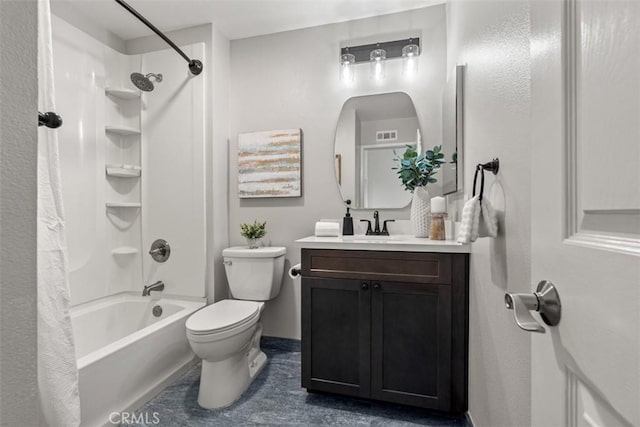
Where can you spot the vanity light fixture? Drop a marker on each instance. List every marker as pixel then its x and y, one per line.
pixel 377 54
pixel 377 58
pixel 347 61
pixel 410 55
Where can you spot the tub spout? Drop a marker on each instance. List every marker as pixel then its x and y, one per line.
pixel 157 286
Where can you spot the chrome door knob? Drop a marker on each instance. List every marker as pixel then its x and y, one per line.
pixel 545 301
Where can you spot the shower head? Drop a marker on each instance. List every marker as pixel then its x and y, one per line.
pixel 143 82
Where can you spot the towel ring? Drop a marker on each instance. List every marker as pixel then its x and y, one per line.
pixel 492 166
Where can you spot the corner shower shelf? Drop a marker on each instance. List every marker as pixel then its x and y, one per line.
pixel 122 93
pixel 123 205
pixel 122 130
pixel 124 250
pixel 123 171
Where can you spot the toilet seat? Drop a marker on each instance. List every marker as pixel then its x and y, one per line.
pixel 223 316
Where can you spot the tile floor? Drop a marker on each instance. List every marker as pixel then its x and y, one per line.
pixel 276 398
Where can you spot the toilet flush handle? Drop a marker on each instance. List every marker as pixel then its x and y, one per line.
pixel 227 262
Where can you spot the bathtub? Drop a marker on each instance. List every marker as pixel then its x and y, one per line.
pixel 126 355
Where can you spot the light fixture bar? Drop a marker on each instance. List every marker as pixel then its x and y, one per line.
pixel 392 48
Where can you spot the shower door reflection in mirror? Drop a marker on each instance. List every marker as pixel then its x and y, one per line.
pixel 371 130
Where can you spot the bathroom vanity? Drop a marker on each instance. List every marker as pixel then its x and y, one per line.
pixel 386 319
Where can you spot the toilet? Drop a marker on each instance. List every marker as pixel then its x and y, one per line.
pixel 226 334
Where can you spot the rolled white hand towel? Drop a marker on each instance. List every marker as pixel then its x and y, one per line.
pixel 488 226
pixel 470 220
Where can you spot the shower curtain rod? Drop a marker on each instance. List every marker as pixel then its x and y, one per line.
pixel 195 66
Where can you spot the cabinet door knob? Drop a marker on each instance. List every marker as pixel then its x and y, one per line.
pixel 365 286
pixel 376 286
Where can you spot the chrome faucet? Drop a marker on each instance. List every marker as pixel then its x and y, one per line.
pixel 157 286
pixel 376 228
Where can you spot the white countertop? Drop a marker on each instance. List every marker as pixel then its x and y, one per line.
pixel 396 242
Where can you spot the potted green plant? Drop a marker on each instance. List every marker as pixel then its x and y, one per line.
pixel 416 171
pixel 253 233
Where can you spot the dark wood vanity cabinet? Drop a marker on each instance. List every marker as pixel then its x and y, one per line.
pixel 389 326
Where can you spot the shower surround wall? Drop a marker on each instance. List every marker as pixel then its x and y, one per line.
pixel 108 246
pixel 82 65
pixel 173 167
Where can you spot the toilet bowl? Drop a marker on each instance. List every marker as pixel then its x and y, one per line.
pixel 226 334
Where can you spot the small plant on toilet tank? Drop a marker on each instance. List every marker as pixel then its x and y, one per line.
pixel 253 232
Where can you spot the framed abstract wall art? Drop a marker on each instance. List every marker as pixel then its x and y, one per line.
pixel 269 164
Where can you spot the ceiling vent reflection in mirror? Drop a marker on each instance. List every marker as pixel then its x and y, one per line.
pixel 386 135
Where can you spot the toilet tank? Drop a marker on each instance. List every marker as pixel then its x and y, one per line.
pixel 254 274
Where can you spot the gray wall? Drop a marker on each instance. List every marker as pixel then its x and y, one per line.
pixel 18 139
pixel 492 39
pixel 70 13
pixel 291 80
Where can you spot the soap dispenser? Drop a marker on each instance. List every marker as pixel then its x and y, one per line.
pixel 347 222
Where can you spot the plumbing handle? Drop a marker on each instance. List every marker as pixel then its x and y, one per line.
pixel 385 230
pixel 545 300
pixel 160 250
pixel 369 230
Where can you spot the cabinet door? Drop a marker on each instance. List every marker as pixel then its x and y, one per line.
pixel 411 344
pixel 335 336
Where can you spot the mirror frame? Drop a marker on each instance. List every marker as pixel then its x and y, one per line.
pixel 458 126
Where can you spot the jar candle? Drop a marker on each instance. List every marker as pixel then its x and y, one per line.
pixel 437 226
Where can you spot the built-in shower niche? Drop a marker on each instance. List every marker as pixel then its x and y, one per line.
pixel 124 226
pixel 122 150
pixel 122 107
pixel 123 186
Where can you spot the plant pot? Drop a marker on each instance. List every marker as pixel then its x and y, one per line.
pixel 420 212
pixel 253 243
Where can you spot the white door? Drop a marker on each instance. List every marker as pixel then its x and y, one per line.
pixel 586 210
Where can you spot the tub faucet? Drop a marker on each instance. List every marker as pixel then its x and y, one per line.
pixel 158 286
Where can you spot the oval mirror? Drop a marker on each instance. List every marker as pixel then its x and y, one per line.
pixel 371 130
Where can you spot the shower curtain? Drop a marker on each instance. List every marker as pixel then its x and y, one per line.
pixel 57 367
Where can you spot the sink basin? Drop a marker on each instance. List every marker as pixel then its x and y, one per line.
pixel 360 238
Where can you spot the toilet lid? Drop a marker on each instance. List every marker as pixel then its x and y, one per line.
pixel 262 252
pixel 222 315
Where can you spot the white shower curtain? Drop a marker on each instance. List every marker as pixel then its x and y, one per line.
pixel 57 367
